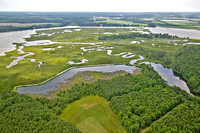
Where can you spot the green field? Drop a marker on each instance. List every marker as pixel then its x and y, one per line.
pixel 121 22
pixel 92 114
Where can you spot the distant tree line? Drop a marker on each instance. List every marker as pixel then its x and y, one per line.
pixel 135 35
pixel 18 28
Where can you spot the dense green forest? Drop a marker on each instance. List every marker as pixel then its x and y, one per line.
pixel 18 28
pixel 20 113
pixel 185 118
pixel 135 35
pixel 187 63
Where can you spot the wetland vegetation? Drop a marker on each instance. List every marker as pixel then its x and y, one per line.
pixel 110 101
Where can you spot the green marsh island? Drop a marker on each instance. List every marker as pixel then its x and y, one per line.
pixel 99 72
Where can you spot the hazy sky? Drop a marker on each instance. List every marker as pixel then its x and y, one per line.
pixel 101 5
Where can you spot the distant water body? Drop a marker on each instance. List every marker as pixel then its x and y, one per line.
pixel 191 33
pixel 8 38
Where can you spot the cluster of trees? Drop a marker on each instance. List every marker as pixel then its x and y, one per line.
pixel 44 17
pixel 187 63
pixel 20 113
pixel 139 109
pixel 176 120
pixel 17 28
pixel 135 35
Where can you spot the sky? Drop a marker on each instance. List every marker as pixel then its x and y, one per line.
pixel 102 5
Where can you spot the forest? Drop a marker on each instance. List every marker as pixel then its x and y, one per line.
pixel 137 100
pixel 187 112
pixel 190 57
pixel 18 28
pixel 20 113
pixel 185 63
pixel 135 35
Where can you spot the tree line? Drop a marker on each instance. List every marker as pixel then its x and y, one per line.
pixel 135 35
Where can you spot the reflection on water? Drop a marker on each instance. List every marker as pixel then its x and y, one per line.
pixel 168 75
pixel 78 63
pixel 132 62
pixel 51 85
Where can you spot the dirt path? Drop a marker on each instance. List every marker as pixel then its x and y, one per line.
pixel 143 130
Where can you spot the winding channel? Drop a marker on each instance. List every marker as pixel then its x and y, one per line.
pixel 166 73
pixel 51 85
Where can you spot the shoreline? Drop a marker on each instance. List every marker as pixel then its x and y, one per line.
pixel 51 78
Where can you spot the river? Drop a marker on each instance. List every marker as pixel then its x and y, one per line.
pixel 191 33
pixel 51 85
pixel 7 38
pixel 166 73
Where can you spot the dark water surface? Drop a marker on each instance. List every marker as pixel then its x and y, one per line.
pixel 51 85
pixel 168 75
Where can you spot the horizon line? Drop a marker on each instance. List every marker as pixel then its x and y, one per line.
pixel 114 11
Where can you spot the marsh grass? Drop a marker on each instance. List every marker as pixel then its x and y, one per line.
pixel 26 72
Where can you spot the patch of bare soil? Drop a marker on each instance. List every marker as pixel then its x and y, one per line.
pixel 87 106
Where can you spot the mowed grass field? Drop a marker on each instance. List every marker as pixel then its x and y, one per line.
pixel 92 114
